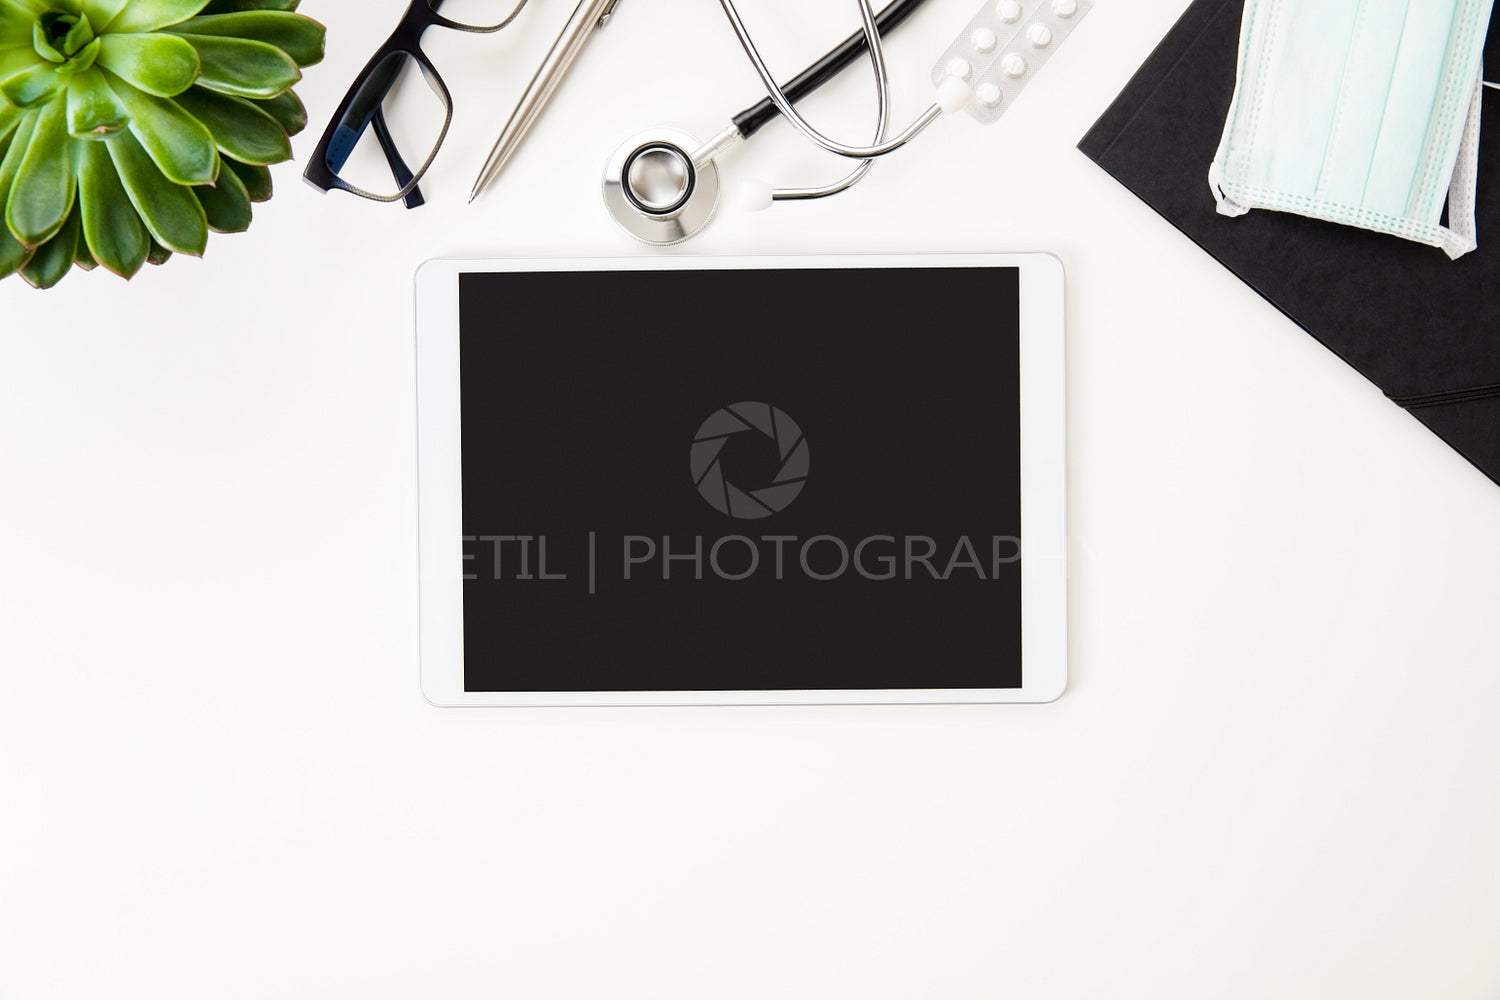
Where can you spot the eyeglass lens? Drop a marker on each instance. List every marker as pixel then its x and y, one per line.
pixel 484 15
pixel 392 129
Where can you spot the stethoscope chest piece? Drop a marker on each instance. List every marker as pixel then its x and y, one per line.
pixel 655 192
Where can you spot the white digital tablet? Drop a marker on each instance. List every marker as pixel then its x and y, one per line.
pixel 742 480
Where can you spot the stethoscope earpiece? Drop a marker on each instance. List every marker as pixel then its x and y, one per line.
pixel 655 192
pixel 756 196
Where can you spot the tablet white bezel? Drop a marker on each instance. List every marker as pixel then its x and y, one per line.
pixel 1043 483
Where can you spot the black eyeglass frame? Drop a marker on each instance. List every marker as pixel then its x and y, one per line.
pixel 369 91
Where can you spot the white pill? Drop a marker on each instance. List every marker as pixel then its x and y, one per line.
pixel 1013 65
pixel 1009 11
pixel 1065 8
pixel 959 66
pixel 1039 35
pixel 953 94
pixel 987 94
pixel 983 40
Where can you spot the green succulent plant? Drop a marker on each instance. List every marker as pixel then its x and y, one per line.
pixel 130 129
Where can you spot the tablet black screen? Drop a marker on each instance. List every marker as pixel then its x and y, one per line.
pixel 741 480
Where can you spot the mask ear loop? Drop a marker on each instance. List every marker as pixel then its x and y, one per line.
pixel 1461 235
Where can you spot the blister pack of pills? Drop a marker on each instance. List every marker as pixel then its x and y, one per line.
pixel 1003 47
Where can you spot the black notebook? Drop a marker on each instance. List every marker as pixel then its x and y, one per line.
pixel 1423 328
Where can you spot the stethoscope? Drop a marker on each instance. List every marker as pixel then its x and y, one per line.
pixel 662 186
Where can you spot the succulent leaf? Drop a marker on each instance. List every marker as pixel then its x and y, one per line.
pixel 41 44
pixel 81 34
pixel 27 8
pixel 57 36
pixel 32 85
pixel 298 36
pixel 84 258
pixel 240 129
pixel 170 212
pixel 13 253
pixel 81 62
pixel 101 12
pixel 257 179
pixel 16 149
pixel 153 15
pixel 159 64
pixel 52 260
pixel 287 109
pixel 93 109
pixel 15 58
pixel 243 68
pixel 15 26
pixel 110 224
pixel 227 204
pixel 10 117
pixel 42 194
pixel 180 144
pixel 159 254
pixel 231 6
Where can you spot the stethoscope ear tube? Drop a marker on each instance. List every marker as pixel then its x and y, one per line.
pixel 788 109
pixel 834 62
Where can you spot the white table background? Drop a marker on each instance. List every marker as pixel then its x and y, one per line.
pixel 1276 772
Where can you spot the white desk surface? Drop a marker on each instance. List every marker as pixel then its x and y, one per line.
pixel 1276 774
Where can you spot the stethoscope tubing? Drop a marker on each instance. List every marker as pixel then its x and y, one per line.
pixel 882 118
pixel 779 98
pixel 834 62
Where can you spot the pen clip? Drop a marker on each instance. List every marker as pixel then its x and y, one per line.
pixel 608 12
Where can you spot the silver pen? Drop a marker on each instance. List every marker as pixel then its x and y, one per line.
pixel 590 14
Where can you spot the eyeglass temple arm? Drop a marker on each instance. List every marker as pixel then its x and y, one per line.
pixel 398 166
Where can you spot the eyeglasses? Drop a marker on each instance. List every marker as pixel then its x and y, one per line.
pixel 388 119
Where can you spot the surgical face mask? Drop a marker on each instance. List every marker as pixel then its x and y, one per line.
pixel 1360 112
